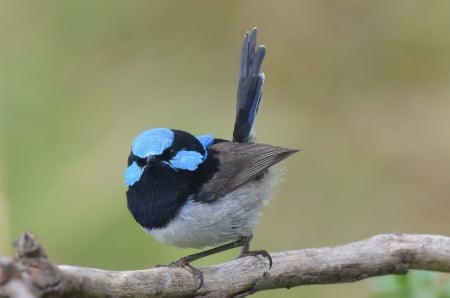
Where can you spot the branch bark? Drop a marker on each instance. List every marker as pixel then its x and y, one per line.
pixel 30 273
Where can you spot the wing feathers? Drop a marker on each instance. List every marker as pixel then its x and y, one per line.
pixel 240 163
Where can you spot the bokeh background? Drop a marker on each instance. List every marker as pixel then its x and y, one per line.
pixel 362 87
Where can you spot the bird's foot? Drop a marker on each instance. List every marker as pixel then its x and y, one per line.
pixel 259 252
pixel 183 263
pixel 245 251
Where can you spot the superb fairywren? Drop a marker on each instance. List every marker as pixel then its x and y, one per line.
pixel 200 191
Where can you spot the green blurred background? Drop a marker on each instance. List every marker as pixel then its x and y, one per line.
pixel 362 87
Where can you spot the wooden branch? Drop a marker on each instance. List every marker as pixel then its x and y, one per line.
pixel 30 273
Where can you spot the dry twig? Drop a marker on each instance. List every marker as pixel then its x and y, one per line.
pixel 31 273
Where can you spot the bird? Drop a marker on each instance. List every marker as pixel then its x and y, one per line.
pixel 202 191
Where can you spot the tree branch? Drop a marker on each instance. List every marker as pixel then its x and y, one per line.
pixel 30 273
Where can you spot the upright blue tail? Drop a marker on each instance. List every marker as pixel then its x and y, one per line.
pixel 250 83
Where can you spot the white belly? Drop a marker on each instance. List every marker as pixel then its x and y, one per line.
pixel 226 219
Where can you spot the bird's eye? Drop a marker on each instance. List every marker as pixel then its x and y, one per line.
pixel 141 162
pixel 166 155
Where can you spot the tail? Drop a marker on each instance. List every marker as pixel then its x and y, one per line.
pixel 250 83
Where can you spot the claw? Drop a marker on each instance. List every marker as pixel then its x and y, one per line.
pixel 182 263
pixel 260 252
pixel 245 251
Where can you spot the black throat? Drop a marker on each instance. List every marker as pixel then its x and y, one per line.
pixel 157 197
pixel 162 191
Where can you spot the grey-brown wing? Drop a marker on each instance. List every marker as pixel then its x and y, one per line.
pixel 240 163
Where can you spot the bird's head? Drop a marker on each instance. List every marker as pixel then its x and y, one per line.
pixel 176 149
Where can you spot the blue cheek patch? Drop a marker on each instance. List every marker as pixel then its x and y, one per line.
pixel 186 160
pixel 133 173
pixel 152 142
pixel 206 140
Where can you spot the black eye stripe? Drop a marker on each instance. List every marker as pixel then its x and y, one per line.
pixel 167 154
pixel 141 162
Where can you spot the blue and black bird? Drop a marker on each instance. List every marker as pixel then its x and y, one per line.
pixel 198 191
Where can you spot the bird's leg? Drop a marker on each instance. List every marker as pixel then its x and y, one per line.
pixel 245 251
pixel 194 257
pixel 185 261
pixel 244 241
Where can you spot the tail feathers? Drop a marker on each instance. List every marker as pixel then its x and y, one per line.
pixel 250 84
